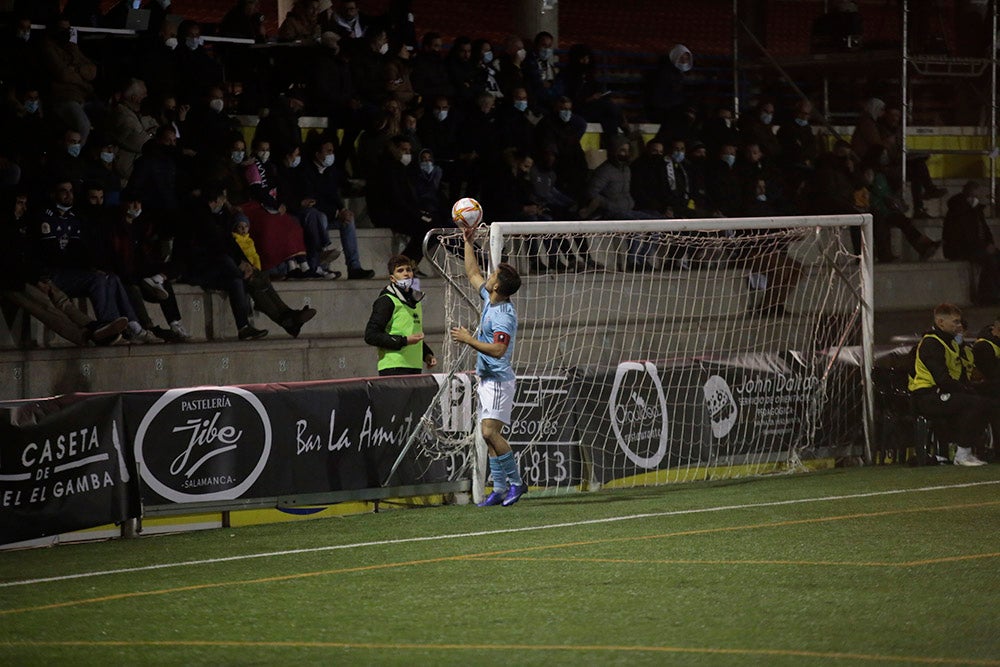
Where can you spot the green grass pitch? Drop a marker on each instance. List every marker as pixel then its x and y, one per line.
pixel 885 565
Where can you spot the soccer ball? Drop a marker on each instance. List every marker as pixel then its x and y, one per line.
pixel 467 212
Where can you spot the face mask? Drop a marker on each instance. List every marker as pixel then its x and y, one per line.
pixel 678 156
pixel 761 197
pixel 74 149
pixel 520 53
pixel 63 208
pixel 406 159
pixel 801 122
pixel 729 159
pixel 135 213
pixel 766 118
pixel 107 158
pixel 384 49
pixel 216 210
pixel 440 114
pixel 521 105
pixel 194 42
pixel 427 167
pixel 329 160
pixel 684 67
pixel 728 122
pixel 170 43
pixel 24 36
pixel 973 202
pixel 404 283
pixel 544 54
pixel 216 105
pixel 565 115
pixel 31 106
pixel 263 156
pixel 237 156
pixel 488 57
pixel 136 4
pixel 296 161
pixel 959 338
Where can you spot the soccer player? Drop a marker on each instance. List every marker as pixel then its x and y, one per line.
pixel 396 325
pixel 495 345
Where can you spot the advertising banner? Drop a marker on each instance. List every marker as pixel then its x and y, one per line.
pixel 63 466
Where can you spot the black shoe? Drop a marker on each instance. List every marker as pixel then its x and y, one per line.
pixel 166 335
pixel 360 274
pixel 293 321
pixel 250 333
pixel 106 334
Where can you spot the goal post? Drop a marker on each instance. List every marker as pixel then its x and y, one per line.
pixel 653 351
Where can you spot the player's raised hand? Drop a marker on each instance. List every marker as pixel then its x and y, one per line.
pixel 460 335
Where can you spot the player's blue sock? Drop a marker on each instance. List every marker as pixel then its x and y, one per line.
pixel 509 464
pixel 499 475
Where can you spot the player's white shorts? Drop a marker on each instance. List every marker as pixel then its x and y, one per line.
pixel 496 399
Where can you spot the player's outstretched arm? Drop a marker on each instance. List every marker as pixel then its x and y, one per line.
pixel 471 263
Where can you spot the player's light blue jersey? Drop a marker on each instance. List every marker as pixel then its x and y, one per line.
pixel 497 323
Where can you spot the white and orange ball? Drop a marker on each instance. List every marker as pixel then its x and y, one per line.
pixel 467 213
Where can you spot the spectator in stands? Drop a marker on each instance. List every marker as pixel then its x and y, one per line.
pixel 511 66
pixel 695 165
pixel 368 67
pixel 157 64
pixel 479 144
pixel 723 191
pixel 463 71
pixel 563 130
pixel 426 181
pixel 330 88
pixel 430 73
pixel 65 160
pixel 316 180
pixel 558 206
pixel 941 390
pixel 392 200
pixel 128 248
pixel 244 20
pixel 921 186
pixel 213 260
pixel 300 24
pixel 649 186
pixel 516 123
pixel 208 126
pixel 99 168
pixel 155 183
pixel 758 127
pixel 396 323
pixel 754 166
pixel 486 73
pixel 23 284
pixel 400 23
pixel 280 126
pixel 348 22
pixel 438 131
pixel 540 70
pixel 719 131
pixel 590 98
pixel 71 76
pixel 866 131
pixel 610 194
pixel 966 236
pixel 128 128
pixel 397 75
pixel 64 247
pixel 664 94
pixel 887 212
pixel 799 147
pixel 23 130
pixel 197 69
pixel 19 54
pixel 278 236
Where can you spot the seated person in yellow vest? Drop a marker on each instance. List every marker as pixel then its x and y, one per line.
pixel 986 351
pixel 396 326
pixel 942 390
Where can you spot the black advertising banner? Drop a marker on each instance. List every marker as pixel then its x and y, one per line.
pixel 209 444
pixel 642 417
pixel 540 432
pixel 758 402
pixel 63 467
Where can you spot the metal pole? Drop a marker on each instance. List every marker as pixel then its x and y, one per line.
pixel 903 87
pixel 993 110
pixel 736 67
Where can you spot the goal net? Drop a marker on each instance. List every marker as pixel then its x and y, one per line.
pixel 650 352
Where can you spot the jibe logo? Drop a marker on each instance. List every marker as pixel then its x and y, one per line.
pixel 638 411
pixel 203 444
pixel 722 409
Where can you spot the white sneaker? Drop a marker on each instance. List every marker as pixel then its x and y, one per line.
pixel 967 458
pixel 179 329
pixel 144 336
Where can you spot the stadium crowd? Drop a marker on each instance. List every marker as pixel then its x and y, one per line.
pixel 125 169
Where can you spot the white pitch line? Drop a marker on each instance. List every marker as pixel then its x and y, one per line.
pixel 500 531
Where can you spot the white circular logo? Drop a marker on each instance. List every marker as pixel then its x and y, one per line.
pixel 721 406
pixel 638 412
pixel 203 444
